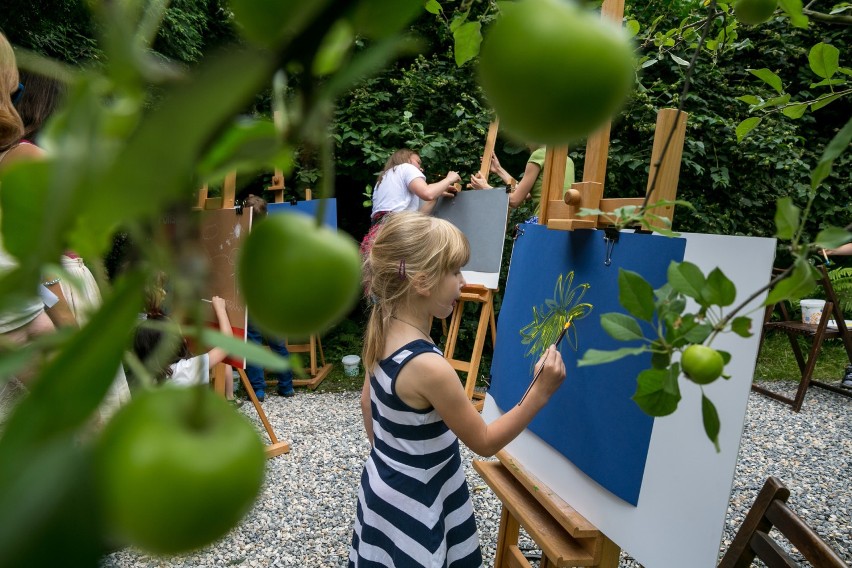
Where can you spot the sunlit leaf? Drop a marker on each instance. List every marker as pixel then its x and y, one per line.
pixel 824 59
pixel 599 357
pixel 686 278
pixel 836 147
pixel 635 295
pixel 832 237
pixel 719 289
pixel 795 110
pixel 798 284
pixel 746 126
pixel 621 327
pixel 333 49
pixel 769 78
pixel 793 8
pixel 468 38
pixel 786 218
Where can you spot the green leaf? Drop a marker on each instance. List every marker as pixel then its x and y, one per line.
pixel 824 59
pixel 686 278
pixel 247 146
pixel 333 49
pixel 467 38
pixel 599 357
pixel 824 101
pixel 632 27
pixel 635 295
pixel 260 356
pixel 741 326
pixel 433 7
pixel 786 218
pixel 750 99
pixel 776 101
pixel 837 145
pixel 679 60
pixel 381 19
pixel 657 391
pixel 795 110
pixel 832 237
pixel 719 289
pixel 799 283
pixel 621 326
pixel 152 174
pixel 710 418
pixel 269 23
pixel 747 126
pixel 793 8
pixel 769 78
pixel 696 333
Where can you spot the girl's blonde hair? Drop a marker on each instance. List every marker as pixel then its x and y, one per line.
pixel 410 250
pixel 11 127
pixel 401 156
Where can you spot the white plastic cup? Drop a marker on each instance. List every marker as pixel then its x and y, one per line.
pixel 812 311
pixel 350 365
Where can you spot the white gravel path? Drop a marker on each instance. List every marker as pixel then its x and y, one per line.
pixel 304 514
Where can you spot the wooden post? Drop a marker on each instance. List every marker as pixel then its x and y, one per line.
pixel 490 142
pixel 664 174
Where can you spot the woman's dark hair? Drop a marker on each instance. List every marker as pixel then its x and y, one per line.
pixel 148 347
pixel 42 95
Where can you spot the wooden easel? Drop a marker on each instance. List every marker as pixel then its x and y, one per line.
pixel 227 201
pixel 317 372
pixel 477 294
pixel 565 537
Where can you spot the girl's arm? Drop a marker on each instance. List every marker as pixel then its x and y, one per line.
pixel 524 187
pixel 428 193
pixel 366 408
pixel 217 354
pixel 438 384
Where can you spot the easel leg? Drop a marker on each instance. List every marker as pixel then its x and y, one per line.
pixel 275 448
pixel 485 318
pixel 507 536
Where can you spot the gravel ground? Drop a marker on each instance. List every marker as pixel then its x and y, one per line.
pixel 304 514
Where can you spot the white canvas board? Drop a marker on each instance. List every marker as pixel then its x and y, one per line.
pixel 680 515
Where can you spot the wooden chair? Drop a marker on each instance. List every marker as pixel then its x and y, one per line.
pixel 816 334
pixel 753 540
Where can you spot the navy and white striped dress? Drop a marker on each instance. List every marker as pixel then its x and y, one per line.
pixel 414 507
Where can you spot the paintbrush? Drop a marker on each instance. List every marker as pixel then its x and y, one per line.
pixel 540 369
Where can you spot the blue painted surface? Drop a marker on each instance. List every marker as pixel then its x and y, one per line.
pixel 308 208
pixel 590 419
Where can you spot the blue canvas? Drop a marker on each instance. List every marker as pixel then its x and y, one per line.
pixel 590 419
pixel 309 207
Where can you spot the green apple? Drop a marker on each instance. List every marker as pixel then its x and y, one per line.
pixel 753 12
pixel 177 468
pixel 554 72
pixel 298 278
pixel 702 364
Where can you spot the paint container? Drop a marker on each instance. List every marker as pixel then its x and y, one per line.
pixel 812 310
pixel 350 365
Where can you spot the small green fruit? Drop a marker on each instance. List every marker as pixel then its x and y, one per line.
pixel 553 71
pixel 296 277
pixel 754 12
pixel 702 364
pixel 177 468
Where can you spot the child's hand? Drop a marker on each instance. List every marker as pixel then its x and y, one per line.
pixel 495 164
pixel 218 303
pixel 553 373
